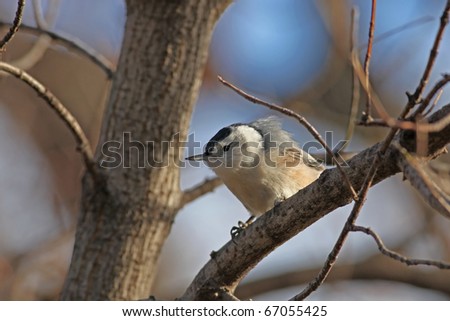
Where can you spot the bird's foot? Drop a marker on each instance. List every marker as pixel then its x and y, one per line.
pixel 236 230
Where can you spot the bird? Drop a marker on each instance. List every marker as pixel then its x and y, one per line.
pixel 260 163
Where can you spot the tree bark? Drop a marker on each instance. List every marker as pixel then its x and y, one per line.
pixel 127 213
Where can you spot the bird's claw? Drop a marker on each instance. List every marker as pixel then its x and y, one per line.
pixel 236 230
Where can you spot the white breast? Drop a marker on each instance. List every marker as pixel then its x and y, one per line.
pixel 260 187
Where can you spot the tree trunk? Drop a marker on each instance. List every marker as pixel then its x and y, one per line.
pixel 127 211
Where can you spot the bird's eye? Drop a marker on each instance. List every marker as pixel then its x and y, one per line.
pixel 211 148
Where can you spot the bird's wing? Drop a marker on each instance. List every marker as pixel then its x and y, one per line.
pixel 292 156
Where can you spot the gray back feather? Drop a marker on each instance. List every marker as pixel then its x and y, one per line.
pixel 271 130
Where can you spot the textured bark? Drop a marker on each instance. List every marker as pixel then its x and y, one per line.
pixel 127 213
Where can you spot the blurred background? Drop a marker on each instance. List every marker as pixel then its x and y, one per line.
pixel 291 52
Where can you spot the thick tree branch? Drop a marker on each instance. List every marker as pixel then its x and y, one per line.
pixel 124 223
pixel 197 191
pixel 15 25
pixel 235 259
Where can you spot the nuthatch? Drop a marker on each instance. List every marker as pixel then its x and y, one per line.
pixel 260 164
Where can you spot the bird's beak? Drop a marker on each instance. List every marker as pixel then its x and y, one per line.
pixel 197 158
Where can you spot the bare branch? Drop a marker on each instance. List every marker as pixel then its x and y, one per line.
pixel 435 90
pixel 302 121
pixel 388 121
pixel 415 98
pixel 43 42
pixel 71 42
pixel 197 191
pixel 410 24
pixel 15 25
pixel 396 256
pixel 375 267
pixel 367 114
pixel 422 128
pixel 62 112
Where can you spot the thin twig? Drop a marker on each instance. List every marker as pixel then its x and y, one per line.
pixel 15 25
pixel 415 98
pixel 435 90
pixel 377 266
pixel 76 44
pixel 438 97
pixel 387 120
pixel 415 126
pixel 199 190
pixel 375 101
pixel 31 57
pixel 396 256
pixel 301 120
pixel 63 113
pixel 333 255
pixel 396 30
pixel 367 114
